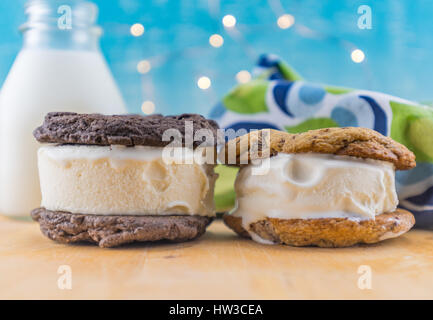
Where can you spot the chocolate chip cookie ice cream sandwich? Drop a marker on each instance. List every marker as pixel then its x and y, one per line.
pixel 109 179
pixel 330 187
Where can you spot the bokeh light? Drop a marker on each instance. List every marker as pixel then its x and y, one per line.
pixel 357 56
pixel 216 40
pixel 144 66
pixel 148 107
pixel 286 21
pixel 229 21
pixel 204 83
pixel 243 76
pixel 137 29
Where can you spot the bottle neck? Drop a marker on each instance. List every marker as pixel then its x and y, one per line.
pixel 61 24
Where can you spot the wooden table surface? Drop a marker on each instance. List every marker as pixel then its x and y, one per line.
pixel 217 266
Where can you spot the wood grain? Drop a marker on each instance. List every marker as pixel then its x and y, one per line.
pixel 220 265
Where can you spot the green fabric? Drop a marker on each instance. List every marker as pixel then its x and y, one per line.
pixel 311 124
pixel 337 90
pixel 288 72
pixel 224 193
pixel 413 127
pixel 248 98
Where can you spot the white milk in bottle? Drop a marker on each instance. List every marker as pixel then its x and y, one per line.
pixel 60 68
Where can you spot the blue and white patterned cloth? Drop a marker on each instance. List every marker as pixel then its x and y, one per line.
pixel 278 98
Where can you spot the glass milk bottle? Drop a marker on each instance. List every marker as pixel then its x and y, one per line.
pixel 60 68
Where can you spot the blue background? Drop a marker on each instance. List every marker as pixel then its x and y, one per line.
pixel 399 47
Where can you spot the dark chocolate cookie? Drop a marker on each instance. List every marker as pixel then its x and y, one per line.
pixel 128 130
pixel 112 231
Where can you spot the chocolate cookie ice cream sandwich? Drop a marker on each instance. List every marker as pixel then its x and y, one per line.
pixel 109 179
pixel 331 187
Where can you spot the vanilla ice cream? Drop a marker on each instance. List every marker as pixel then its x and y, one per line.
pixel 311 186
pixel 121 180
